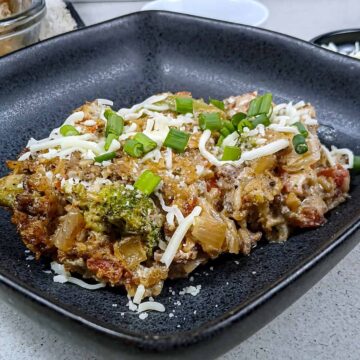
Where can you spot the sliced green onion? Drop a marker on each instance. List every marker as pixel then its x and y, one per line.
pixel 220 140
pixel 260 105
pixel 229 125
pixel 109 140
pixel 134 148
pixel 260 119
pixel 243 124
pixel 231 153
pixel 356 165
pixel 147 143
pixel 299 144
pixel 115 123
pixel 147 182
pixel 218 103
pixel 183 105
pixel 210 121
pixel 237 118
pixel 302 129
pixel 68 130
pixel 177 140
pixel 265 105
pixel 105 157
pixel 254 106
pixel 225 131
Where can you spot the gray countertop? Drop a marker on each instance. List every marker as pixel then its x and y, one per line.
pixel 323 324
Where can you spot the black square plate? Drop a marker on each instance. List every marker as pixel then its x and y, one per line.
pixel 127 60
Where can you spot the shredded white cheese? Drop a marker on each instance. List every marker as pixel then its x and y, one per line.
pixel 336 156
pixel 126 135
pixel 89 123
pixel 247 132
pixel 265 150
pixel 168 158
pixel 134 113
pixel 25 156
pixel 231 140
pixel 171 211
pixel 285 129
pixel 150 306
pixel 64 276
pixel 139 294
pixel 311 122
pixel 253 154
pixel 288 114
pixel 178 236
pixel 104 102
pixel 74 118
pixel 114 146
pixel 328 156
pixel 154 156
pixel 131 128
pixel 80 142
pixel 199 170
pixel 205 136
pixel 131 305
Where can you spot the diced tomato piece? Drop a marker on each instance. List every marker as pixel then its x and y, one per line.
pixel 340 175
pixel 189 206
pixel 211 183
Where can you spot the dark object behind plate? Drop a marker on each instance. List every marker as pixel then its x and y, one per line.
pixel 75 15
pixel 127 60
pixel 343 39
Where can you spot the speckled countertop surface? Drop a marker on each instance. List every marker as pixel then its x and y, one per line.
pixel 323 324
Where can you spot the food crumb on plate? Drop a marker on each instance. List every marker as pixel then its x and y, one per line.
pixel 192 290
pixel 143 316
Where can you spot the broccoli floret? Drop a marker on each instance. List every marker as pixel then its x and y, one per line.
pixel 127 209
pixel 10 187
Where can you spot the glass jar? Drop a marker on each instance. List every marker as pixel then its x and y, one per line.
pixel 22 27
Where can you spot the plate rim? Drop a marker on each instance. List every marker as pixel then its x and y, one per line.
pixel 317 38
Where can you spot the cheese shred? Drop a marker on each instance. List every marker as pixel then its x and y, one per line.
pixel 178 236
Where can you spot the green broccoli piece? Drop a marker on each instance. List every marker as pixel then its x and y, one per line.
pixel 126 209
pixel 10 187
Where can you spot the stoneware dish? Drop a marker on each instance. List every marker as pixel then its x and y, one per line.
pixel 343 39
pixel 127 60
